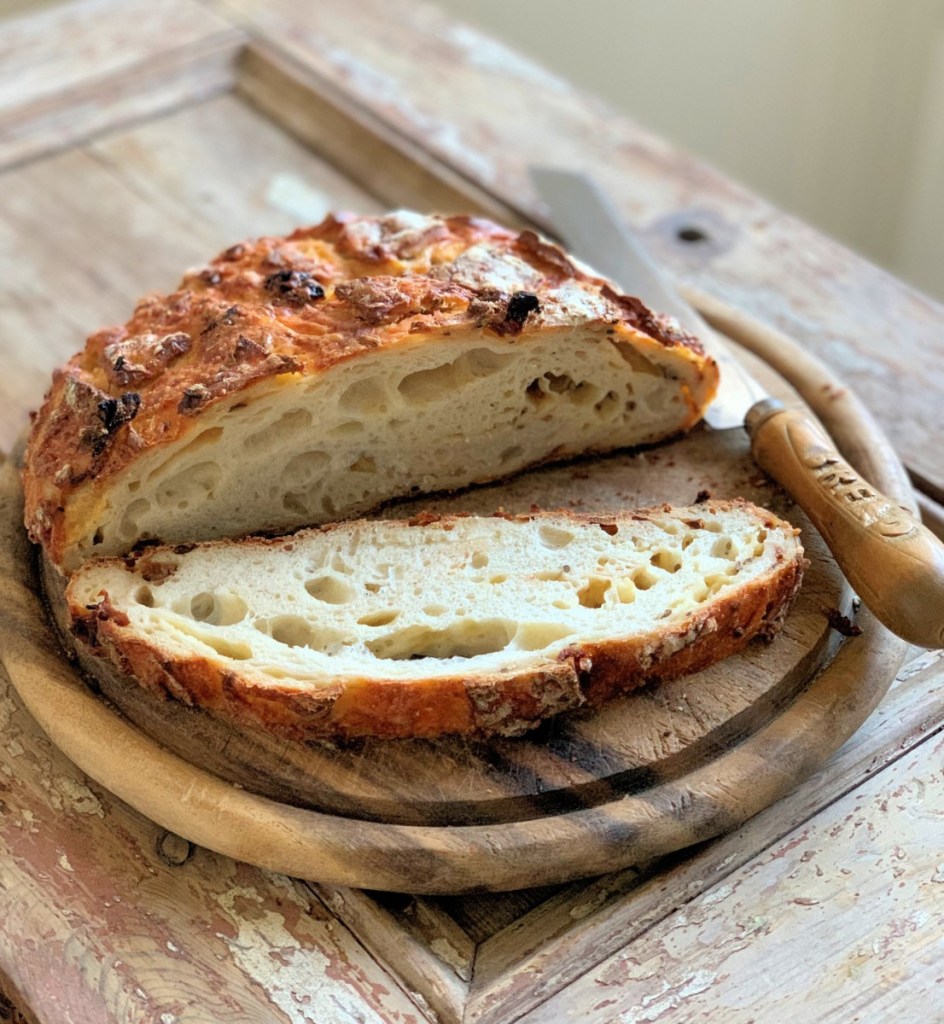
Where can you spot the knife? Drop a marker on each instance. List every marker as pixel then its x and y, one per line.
pixel 895 564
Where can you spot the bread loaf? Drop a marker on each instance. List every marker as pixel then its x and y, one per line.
pixel 440 624
pixel 300 380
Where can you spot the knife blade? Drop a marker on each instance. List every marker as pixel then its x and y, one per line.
pixel 893 562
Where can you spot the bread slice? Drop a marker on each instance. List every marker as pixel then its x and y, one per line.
pixel 439 624
pixel 306 379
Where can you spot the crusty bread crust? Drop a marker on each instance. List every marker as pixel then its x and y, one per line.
pixel 282 309
pixel 586 674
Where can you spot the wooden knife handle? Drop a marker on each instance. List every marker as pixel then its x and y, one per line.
pixel 894 563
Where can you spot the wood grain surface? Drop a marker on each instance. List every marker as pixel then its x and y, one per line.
pixel 106 917
pixel 789 933
pixel 85 67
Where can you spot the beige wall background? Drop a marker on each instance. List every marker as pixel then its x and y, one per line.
pixel 832 109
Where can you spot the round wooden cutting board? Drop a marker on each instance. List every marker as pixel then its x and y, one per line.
pixel 586 793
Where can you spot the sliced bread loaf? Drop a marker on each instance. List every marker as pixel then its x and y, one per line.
pixel 440 624
pixel 306 379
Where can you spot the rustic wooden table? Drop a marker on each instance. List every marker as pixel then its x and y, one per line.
pixel 136 137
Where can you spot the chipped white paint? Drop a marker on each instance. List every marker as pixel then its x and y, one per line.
pixel 834 923
pixel 299 979
pixel 75 795
pixel 488 54
pixel 654 1006
pixel 378 88
pixel 299 199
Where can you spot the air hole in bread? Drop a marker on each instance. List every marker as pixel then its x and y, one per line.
pixel 511 454
pixel 193 484
pixel 383 618
pixel 238 650
pixel 497 578
pixel 144 597
pixel 554 536
pixel 558 383
pixel 549 574
pixel 435 609
pixel 294 631
pixel 209 436
pixel 424 386
pixel 562 603
pixel 483 362
pixel 713 526
pixel 427 385
pixel 644 579
pixel 129 521
pixel 593 593
pixel 479 560
pixel 294 501
pixel 364 464
pixel 367 395
pixel 626 591
pixel 724 547
pixel 330 589
pixel 349 428
pixel 638 362
pixel 608 405
pixel 218 609
pixel 688 540
pixel 716 581
pixel 466 639
pixel 667 560
pixel 307 467
pixel 535 636
pixel 339 564
pixel 275 434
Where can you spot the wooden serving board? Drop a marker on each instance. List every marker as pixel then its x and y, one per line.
pixel 591 791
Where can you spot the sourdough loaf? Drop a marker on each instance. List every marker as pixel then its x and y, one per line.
pixel 300 380
pixel 439 624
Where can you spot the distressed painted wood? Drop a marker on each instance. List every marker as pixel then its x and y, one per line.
pixel 175 187
pixel 578 927
pixel 75 69
pixel 794 933
pixel 107 919
pixel 486 111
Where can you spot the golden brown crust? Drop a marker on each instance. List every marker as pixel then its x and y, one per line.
pixel 299 305
pixel 483 704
